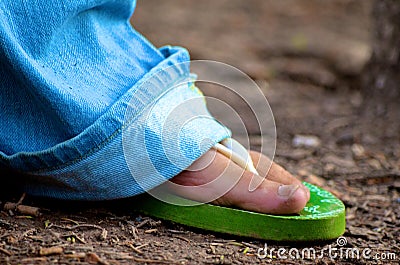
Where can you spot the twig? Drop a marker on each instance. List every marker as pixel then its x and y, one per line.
pixel 176 231
pixel 235 243
pixel 5 235
pixel 21 199
pixel 80 255
pixel 216 244
pixel 134 232
pixel 30 260
pixel 183 238
pixel 70 220
pixel 154 261
pixel 51 251
pixel 143 223
pixel 81 240
pixel 76 226
pixel 22 209
pixel 143 245
pixel 250 245
pixel 37 238
pixel 27 232
pixel 213 250
pixel 224 240
pixel 19 207
pixel 103 235
pixel 149 231
pixel 135 249
pixel 93 258
pixel 5 251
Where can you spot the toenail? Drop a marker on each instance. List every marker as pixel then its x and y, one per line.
pixel 287 191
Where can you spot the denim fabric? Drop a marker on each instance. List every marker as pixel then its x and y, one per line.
pixel 88 105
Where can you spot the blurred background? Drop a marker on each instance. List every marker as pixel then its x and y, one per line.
pixel 306 55
pixel 265 38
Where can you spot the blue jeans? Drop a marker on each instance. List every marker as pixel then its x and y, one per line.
pixel 88 105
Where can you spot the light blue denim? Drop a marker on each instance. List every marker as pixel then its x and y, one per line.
pixel 87 104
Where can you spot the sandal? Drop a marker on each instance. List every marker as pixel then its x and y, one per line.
pixel 323 218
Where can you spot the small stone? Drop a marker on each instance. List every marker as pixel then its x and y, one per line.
pixel 358 151
pixel 375 164
pixel 310 141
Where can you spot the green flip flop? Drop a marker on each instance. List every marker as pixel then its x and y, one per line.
pixel 323 218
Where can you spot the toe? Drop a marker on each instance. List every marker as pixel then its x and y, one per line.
pixel 272 171
pixel 270 197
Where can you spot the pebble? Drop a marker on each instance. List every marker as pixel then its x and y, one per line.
pixel 310 141
pixel 358 151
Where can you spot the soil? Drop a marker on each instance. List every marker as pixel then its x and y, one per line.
pixel 307 56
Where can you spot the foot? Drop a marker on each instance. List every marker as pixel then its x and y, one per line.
pixel 214 176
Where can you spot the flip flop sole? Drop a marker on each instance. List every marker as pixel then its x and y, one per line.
pixel 323 218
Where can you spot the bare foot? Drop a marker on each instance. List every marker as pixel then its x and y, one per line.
pixel 213 174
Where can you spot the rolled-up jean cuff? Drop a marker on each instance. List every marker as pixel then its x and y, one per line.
pixel 152 133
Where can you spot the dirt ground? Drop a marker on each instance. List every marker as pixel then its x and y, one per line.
pixel 307 56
